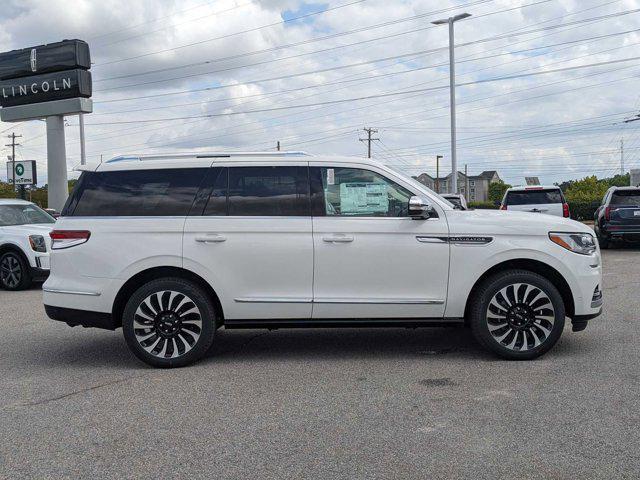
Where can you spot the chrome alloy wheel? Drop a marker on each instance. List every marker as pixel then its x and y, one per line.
pixel 167 324
pixel 10 271
pixel 520 317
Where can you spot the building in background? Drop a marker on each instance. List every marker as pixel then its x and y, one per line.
pixel 478 184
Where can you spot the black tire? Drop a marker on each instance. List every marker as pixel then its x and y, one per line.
pixel 14 271
pixel 178 320
pixel 604 243
pixel 534 314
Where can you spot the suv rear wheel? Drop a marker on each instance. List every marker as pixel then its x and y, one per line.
pixel 14 272
pixel 517 314
pixel 169 322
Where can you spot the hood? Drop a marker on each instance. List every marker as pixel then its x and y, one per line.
pixel 34 229
pixel 510 222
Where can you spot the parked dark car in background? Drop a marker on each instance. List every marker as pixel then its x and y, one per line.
pixel 618 218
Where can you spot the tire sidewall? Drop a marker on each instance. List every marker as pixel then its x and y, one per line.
pixel 480 325
pixel 25 279
pixel 202 301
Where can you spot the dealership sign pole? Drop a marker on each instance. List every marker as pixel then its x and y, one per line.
pixel 48 82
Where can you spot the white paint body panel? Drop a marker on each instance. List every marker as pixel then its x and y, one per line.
pixel 280 267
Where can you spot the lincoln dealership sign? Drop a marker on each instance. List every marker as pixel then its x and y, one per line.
pixel 46 87
pixel 43 74
pixel 47 82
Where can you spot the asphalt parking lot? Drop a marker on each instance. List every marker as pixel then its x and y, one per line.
pixel 424 403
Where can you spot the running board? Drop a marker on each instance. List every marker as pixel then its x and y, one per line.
pixel 344 323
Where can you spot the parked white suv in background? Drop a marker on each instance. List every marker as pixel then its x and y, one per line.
pixel 24 243
pixel 536 199
pixel 173 247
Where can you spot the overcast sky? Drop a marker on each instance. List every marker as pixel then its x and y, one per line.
pixel 215 75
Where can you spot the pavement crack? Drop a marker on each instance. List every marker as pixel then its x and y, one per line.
pixel 45 401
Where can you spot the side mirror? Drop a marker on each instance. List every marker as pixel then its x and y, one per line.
pixel 419 209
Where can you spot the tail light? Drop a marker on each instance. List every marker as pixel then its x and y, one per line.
pixel 68 238
pixel 565 210
pixel 607 213
pixel 503 207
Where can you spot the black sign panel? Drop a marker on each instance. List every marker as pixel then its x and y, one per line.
pixel 45 88
pixel 52 57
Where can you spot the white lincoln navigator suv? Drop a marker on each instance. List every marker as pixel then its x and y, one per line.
pixel 170 248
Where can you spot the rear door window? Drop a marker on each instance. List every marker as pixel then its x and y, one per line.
pixel 630 198
pixel 279 191
pixel 147 193
pixel 534 197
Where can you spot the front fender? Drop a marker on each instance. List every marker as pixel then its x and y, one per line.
pixel 467 266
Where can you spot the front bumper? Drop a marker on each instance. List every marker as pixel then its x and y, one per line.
pixel 580 322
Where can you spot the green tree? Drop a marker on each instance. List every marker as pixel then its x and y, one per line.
pixel 589 189
pixel 496 191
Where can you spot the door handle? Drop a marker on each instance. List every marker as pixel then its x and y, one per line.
pixel 337 238
pixel 211 238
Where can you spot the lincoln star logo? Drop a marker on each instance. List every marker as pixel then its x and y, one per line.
pixel 34 65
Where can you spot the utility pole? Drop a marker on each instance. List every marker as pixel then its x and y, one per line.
pixel 466 183
pixel 438 157
pixel 13 146
pixel 278 146
pixel 83 151
pixel 622 156
pixel 369 131
pixel 452 95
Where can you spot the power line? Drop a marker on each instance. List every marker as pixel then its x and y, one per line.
pixel 175 24
pixel 307 42
pixel 383 95
pixel 340 67
pixel 402 72
pixel 283 21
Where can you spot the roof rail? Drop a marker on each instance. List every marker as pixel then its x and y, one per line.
pixel 165 156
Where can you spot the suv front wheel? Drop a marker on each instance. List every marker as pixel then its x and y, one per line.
pixel 169 322
pixel 14 272
pixel 517 314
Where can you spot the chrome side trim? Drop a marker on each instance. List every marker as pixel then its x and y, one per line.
pixel 272 300
pixel 427 239
pixel 455 239
pixel 469 240
pixel 71 292
pixel 378 301
pixel 331 300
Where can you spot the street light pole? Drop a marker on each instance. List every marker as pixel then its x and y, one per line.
pixel 452 95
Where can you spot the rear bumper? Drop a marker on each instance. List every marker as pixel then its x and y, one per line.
pixel 620 230
pixel 38 274
pixel 87 319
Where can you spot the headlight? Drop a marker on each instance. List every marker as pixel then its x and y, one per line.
pixel 37 243
pixel 582 243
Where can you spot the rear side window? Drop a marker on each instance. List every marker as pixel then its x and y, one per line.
pixel 534 197
pixel 148 193
pixel 267 191
pixel 629 198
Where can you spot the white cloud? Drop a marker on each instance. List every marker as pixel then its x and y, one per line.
pixel 513 126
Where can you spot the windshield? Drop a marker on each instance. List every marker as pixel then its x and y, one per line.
pixel 629 198
pixel 534 197
pixel 27 214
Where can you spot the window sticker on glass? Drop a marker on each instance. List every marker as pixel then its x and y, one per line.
pixel 359 198
pixel 331 176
